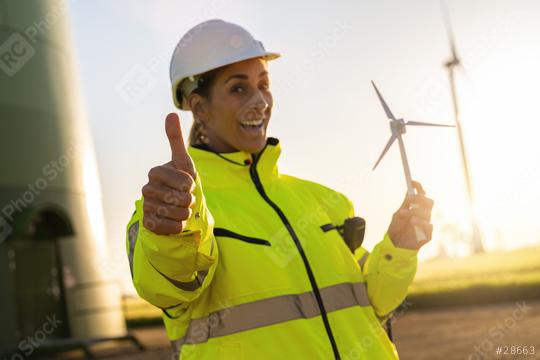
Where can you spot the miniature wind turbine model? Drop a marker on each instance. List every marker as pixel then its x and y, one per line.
pixel 397 126
pixel 453 63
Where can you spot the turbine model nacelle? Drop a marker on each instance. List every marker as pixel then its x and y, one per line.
pixel 398 126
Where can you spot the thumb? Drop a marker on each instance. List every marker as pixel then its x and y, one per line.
pixel 407 200
pixel 419 188
pixel 180 157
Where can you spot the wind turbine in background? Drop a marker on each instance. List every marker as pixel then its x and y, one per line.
pixel 451 65
pixel 397 126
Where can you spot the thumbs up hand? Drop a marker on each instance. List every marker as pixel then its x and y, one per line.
pixel 168 195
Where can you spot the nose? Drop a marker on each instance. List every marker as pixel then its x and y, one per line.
pixel 258 102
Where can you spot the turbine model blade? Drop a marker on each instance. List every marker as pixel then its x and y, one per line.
pixel 383 103
pixel 388 145
pixel 418 123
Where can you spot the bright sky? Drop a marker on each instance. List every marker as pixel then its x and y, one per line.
pixel 326 115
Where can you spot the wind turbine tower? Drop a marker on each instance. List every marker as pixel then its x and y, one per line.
pixel 451 65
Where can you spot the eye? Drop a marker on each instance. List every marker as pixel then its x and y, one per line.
pixel 266 86
pixel 237 89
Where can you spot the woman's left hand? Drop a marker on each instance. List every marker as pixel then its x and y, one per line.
pixel 401 230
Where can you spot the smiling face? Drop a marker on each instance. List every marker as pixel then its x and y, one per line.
pixel 236 113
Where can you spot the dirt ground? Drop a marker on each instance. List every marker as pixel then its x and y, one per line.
pixel 460 333
pixel 469 333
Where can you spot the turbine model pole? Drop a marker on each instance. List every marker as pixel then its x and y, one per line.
pixel 397 126
pixel 451 65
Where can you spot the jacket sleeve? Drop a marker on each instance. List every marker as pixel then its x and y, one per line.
pixel 170 271
pixel 388 270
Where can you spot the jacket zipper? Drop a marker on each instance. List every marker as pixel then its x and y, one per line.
pixel 255 177
pixel 249 239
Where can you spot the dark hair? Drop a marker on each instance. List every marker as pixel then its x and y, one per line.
pixel 204 86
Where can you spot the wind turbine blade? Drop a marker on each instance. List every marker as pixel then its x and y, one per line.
pixel 449 32
pixel 388 144
pixel 383 103
pixel 418 123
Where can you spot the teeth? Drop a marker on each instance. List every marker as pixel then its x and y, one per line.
pixel 252 122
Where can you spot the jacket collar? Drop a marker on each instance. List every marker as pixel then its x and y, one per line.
pixel 219 168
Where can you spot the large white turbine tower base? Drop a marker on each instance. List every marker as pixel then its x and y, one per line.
pixel 54 269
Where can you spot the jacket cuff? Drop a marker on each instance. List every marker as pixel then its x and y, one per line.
pixel 179 256
pixel 390 252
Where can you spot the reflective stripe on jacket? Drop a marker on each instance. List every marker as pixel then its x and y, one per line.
pixel 253 275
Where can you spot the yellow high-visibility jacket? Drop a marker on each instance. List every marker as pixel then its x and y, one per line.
pixel 254 275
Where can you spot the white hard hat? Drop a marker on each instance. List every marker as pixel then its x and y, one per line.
pixel 209 45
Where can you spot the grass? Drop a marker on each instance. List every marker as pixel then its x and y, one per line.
pixel 484 278
pixel 140 313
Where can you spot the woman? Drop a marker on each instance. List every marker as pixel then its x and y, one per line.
pixel 247 262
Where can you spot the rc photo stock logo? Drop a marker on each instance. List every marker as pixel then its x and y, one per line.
pixel 139 81
pixel 15 53
pixel 31 343
pixel 5 229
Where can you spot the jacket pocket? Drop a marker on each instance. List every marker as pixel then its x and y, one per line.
pixel 249 239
